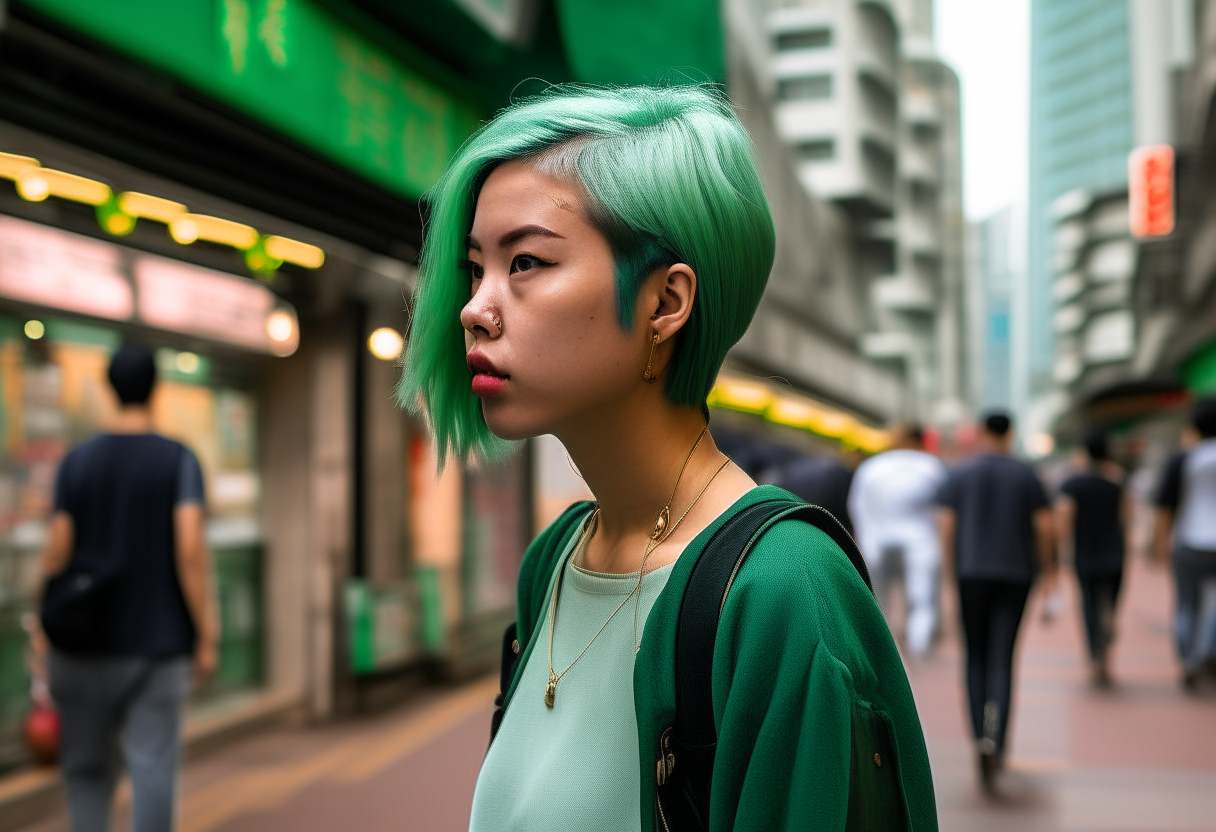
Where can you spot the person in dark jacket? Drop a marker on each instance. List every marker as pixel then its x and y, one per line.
pixel 1091 516
pixel 996 528
pixel 128 519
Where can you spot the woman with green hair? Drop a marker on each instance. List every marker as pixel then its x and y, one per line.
pixel 590 256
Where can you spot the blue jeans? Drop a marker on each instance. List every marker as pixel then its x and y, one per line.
pixel 1195 634
pixel 115 710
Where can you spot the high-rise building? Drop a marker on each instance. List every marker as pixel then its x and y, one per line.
pixel 1104 80
pixel 991 274
pixel 1081 130
pixel 872 117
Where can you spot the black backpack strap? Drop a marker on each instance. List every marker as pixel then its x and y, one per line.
pixel 686 755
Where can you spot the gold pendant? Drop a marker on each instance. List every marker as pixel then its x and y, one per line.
pixel 661 524
pixel 550 691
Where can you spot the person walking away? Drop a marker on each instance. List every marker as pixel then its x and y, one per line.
pixel 126 604
pixel 822 481
pixel 893 505
pixel 1091 519
pixel 1186 524
pixel 996 529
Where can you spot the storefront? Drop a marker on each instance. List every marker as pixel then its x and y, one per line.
pixel 263 249
pixel 66 302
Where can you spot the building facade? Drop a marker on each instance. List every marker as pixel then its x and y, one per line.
pixel 871 117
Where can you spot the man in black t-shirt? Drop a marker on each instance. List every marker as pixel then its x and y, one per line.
pixel 1090 522
pixel 996 528
pixel 128 528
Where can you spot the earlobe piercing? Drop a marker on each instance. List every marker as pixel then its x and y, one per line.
pixel 646 375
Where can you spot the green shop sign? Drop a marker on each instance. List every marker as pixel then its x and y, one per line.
pixel 1199 370
pixel 297 68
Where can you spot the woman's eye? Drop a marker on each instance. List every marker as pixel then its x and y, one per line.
pixel 525 263
pixel 476 271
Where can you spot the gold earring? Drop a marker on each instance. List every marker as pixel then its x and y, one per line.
pixel 646 376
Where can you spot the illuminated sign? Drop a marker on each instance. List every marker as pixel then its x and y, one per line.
pixel 190 299
pixel 1150 185
pixel 60 270
pixel 49 267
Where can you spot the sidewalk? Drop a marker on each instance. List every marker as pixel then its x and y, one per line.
pixel 1140 756
pixel 1136 758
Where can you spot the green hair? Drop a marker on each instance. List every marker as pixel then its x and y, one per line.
pixel 668 177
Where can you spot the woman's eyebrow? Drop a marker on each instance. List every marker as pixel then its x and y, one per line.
pixel 512 237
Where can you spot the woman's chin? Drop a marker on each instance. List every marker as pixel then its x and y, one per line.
pixel 509 426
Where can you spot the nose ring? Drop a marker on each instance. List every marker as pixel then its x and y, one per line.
pixel 497 323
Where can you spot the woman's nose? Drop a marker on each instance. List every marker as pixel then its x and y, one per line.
pixel 478 316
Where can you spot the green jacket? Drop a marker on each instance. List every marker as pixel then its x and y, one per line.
pixel 810 696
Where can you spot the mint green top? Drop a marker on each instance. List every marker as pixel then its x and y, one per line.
pixel 583 753
pixel 816 724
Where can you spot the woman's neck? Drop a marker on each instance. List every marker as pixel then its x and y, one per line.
pixel 631 459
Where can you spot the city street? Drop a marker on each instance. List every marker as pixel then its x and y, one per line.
pixel 1137 757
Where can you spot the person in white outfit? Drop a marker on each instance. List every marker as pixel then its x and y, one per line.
pixel 893 505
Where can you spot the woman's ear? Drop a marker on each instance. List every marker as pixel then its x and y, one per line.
pixel 672 290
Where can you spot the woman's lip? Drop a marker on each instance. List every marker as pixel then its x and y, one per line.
pixel 478 363
pixel 487 386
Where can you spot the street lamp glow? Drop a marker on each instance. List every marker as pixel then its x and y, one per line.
pixel 386 343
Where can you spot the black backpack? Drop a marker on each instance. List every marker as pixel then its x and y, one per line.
pixel 685 761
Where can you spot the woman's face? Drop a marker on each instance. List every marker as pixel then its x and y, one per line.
pixel 547 345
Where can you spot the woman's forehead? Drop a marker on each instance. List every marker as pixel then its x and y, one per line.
pixel 516 194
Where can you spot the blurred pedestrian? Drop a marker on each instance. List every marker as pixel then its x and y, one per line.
pixel 1186 524
pixel 996 528
pixel 125 606
pixel 892 503
pixel 822 481
pixel 1091 518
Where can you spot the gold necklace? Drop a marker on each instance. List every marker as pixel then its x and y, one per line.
pixel 662 530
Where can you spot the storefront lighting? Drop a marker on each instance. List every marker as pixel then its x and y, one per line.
pixel 259 262
pixel 183 230
pixel 34 330
pixel 13 165
pixel 114 220
pixel 150 207
pixel 36 184
pixel 294 251
pixel 280 327
pixel 386 343
pixel 187 363
pixel 33 188
pixel 190 227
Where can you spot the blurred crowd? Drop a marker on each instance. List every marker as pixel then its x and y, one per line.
pixel 968 513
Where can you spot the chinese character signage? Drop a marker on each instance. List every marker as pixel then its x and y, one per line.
pixel 1150 184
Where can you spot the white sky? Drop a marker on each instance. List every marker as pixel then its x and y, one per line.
pixel 987 42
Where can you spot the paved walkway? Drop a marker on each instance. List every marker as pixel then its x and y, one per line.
pixel 1139 757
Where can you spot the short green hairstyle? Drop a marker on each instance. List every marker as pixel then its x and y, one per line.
pixel 668 177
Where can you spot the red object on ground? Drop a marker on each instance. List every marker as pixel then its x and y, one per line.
pixel 42 734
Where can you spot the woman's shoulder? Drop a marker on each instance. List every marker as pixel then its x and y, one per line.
pixel 797 578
